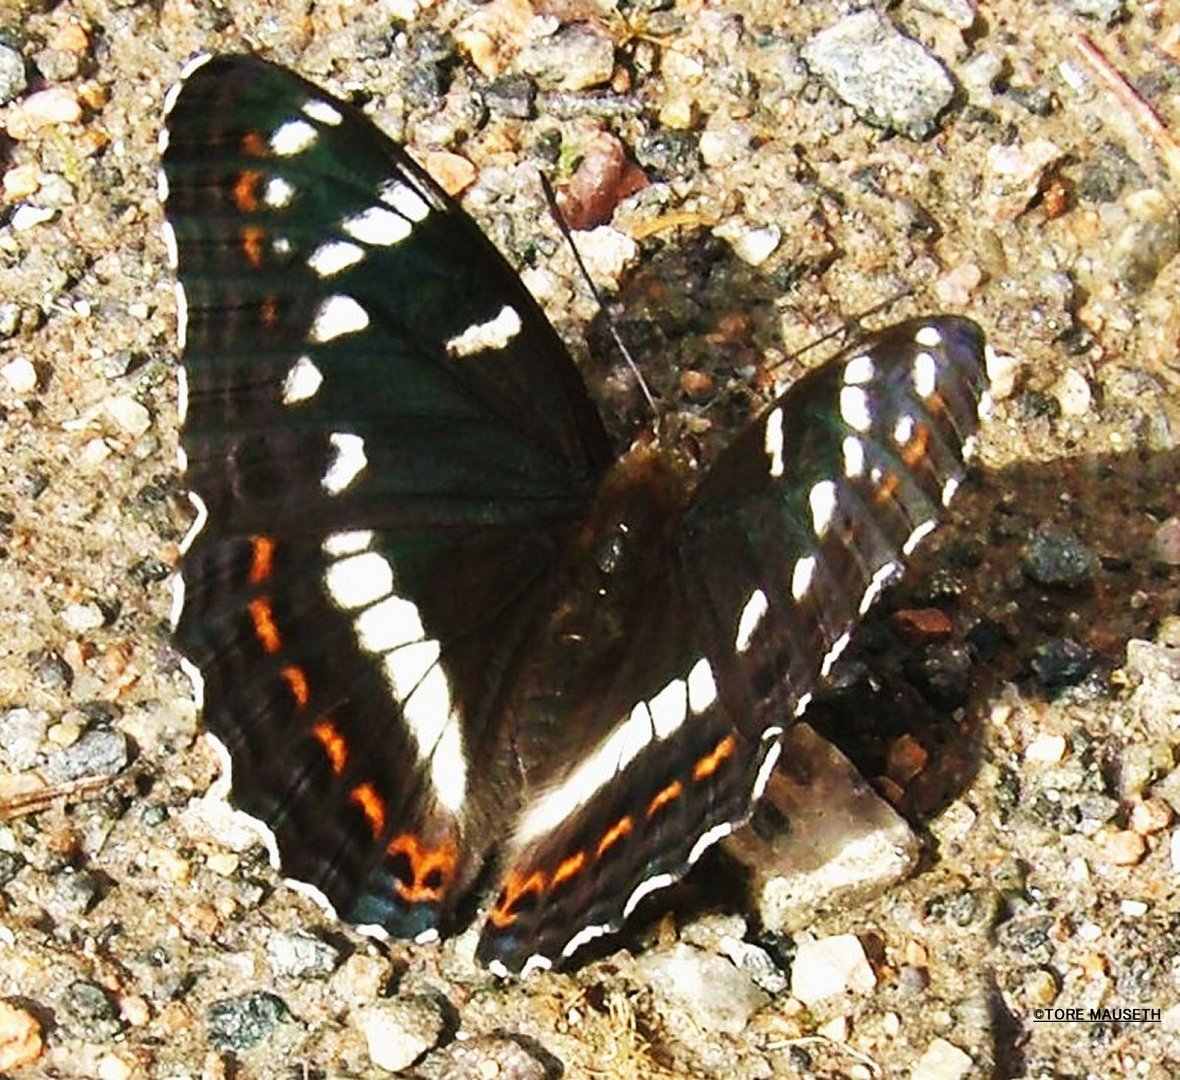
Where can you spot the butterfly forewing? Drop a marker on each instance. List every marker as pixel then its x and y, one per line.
pixel 379 421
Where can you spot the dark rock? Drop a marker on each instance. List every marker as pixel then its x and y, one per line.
pixel 240 1023
pixel 1055 556
pixel 1062 662
pixel 514 96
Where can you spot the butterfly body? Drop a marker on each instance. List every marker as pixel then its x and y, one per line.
pixel 440 631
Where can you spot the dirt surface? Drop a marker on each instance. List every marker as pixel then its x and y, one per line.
pixel 136 916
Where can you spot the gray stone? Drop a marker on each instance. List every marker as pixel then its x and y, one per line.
pixel 22 732
pixel 717 995
pixel 13 79
pixel 577 57
pixel 300 955
pixel 1105 11
pixel 97 753
pixel 886 77
pixel 843 843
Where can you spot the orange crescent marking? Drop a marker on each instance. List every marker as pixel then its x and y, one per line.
pixel 571 867
pixel 252 237
pixel 371 804
pixel 245 191
pixel 515 888
pixel 423 862
pixel 264 625
pixel 332 741
pixel 709 764
pixel 262 558
pixel 618 831
pixel 671 792
pixel 297 683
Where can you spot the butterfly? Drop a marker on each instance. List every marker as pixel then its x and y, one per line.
pixel 447 638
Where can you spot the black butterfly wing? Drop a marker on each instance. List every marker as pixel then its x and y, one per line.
pixel 378 422
pixel 789 538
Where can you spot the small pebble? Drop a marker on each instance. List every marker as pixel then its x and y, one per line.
pixel 1150 816
pixel 97 753
pixel 82 618
pixel 1134 909
pixel 577 57
pixel 239 1023
pixel 960 12
pixel 1122 847
pixel 57 105
pixel 1055 556
pixel 1149 242
pixel 128 414
pixel 1165 545
pixel 752 246
pixel 452 172
pixel 20 1037
pixel 830 966
pixel 1013 175
pixel 13 79
pixel 718 996
pixel 21 181
pixel 1046 749
pixel 942 1061
pixel 26 217
pixel 1104 11
pixel 923 624
pixel 888 79
pixel 1072 392
pixel 113 1067
pixel 400 1031
pixel 300 955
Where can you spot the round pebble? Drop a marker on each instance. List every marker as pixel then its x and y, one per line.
pixel 20 375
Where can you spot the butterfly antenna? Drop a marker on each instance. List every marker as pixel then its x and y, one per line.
pixel 563 225
pixel 852 322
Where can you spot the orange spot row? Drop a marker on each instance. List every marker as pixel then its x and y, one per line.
pixel 431 869
pixel 265 629
pixel 251 237
pixel 673 791
pixel 710 763
pixel 245 190
pixel 334 744
pixel 262 551
pixel 620 830
pixel 518 887
pixel 372 806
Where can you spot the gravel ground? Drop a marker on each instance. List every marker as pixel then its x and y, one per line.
pixel 1017 697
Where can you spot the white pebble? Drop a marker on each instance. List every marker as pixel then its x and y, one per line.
pixel 831 966
pixel 20 375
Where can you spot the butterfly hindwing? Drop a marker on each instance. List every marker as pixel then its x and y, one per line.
pixel 786 542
